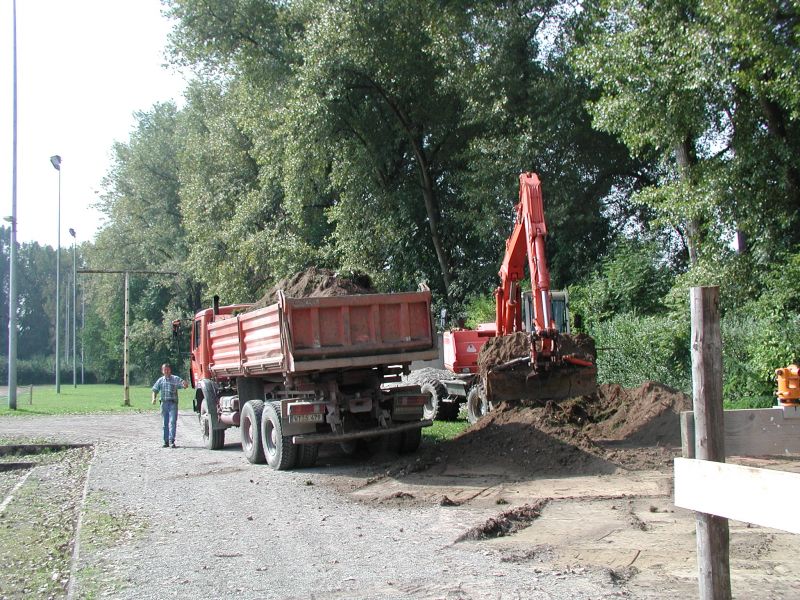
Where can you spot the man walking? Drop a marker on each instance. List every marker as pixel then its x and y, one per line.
pixel 167 386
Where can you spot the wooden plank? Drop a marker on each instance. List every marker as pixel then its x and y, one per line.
pixel 713 535
pixel 687 434
pixel 754 431
pixel 737 492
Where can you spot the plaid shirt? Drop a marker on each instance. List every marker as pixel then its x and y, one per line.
pixel 168 387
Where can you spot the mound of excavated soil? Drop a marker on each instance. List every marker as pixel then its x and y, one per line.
pixel 573 436
pixel 315 283
pixel 647 415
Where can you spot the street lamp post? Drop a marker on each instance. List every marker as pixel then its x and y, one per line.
pixel 74 308
pixel 56 162
pixel 12 253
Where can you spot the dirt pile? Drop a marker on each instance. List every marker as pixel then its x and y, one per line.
pixel 315 283
pixel 647 415
pixel 634 428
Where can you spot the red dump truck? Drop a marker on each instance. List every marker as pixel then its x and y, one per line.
pixel 309 371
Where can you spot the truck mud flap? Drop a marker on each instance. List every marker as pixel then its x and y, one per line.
pixel 210 396
pixel 332 438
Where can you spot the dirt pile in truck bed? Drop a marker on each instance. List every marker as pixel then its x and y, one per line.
pixel 315 283
pixel 633 428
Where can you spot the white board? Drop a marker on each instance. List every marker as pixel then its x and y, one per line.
pixel 760 496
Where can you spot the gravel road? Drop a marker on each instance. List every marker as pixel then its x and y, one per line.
pixel 202 524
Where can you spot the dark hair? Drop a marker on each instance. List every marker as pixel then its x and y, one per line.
pixel 166 365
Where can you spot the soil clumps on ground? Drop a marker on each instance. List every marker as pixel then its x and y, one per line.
pixel 316 282
pixel 616 427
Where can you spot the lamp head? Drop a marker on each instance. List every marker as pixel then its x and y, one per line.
pixel 55 160
pixel 72 232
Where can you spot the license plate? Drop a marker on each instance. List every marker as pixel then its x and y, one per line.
pixel 312 418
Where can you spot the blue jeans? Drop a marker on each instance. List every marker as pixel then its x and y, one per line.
pixel 169 412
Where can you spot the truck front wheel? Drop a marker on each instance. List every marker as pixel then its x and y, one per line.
pixel 213 439
pixel 435 392
pixel 280 452
pixel 477 404
pixel 251 431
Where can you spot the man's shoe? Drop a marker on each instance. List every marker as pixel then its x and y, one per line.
pixel 166 445
pixel 173 445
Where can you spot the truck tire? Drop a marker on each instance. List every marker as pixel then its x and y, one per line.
pixel 250 429
pixel 477 405
pixel 448 411
pixel 279 451
pixel 410 440
pixel 307 455
pixel 436 393
pixel 213 439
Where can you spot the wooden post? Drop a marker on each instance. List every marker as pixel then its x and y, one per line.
pixel 713 535
pixel 125 348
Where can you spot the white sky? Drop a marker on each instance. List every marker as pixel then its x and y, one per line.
pixel 83 68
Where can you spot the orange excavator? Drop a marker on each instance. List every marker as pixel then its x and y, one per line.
pixel 527 353
pixel 533 361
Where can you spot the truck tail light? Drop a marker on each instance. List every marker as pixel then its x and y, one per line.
pixel 305 408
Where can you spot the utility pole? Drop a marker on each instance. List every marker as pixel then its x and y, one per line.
pixel 83 327
pixel 74 305
pixel 126 272
pixel 12 252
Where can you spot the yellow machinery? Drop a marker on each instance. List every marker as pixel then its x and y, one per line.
pixel 788 385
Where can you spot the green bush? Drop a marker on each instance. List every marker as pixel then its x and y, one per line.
pixel 635 348
pixel 40 370
pixel 752 348
pixel 631 279
pixel 480 309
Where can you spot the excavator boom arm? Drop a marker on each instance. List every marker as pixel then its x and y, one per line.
pixel 526 242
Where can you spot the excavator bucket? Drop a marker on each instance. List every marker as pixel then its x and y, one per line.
pixel 505 367
pixel 557 383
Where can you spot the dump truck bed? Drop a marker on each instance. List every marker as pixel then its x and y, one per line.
pixel 318 334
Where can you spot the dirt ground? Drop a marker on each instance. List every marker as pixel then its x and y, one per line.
pixel 568 500
pixel 587 483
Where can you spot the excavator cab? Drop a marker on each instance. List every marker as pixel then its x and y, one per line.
pixel 559 306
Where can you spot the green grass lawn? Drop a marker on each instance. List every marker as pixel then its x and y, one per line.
pixel 441 431
pixel 85 399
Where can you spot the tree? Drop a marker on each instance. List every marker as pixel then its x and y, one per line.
pixel 710 88
pixel 144 231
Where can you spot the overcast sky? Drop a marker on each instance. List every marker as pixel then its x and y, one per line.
pixel 83 68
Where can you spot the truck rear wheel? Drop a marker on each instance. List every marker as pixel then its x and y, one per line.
pixel 213 439
pixel 477 404
pixel 280 452
pixel 251 431
pixel 307 455
pixel 410 440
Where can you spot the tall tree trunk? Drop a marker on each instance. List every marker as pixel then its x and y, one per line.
pixel 426 182
pixel 685 159
pixel 432 210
